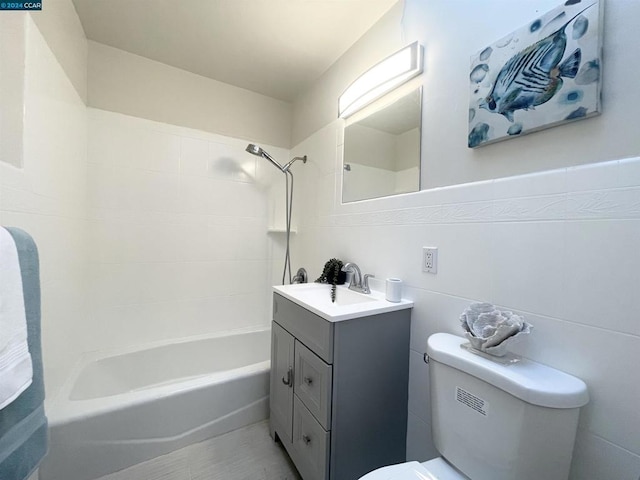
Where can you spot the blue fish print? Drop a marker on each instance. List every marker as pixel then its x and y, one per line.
pixel 534 75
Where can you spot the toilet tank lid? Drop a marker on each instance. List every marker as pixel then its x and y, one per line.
pixel 527 380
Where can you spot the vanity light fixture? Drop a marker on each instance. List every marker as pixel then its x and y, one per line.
pixel 390 73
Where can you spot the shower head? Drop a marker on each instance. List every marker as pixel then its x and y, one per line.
pixel 256 150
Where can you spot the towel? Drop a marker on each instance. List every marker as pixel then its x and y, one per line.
pixel 23 424
pixel 15 362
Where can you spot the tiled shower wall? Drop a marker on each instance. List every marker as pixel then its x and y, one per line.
pixel 177 227
pixel 146 231
pixel 559 247
pixel 45 197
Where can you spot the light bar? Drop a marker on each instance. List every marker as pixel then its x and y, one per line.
pixel 380 79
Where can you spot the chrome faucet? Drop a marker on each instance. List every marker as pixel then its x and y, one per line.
pixel 358 282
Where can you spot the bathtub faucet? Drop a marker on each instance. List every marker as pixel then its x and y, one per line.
pixel 300 276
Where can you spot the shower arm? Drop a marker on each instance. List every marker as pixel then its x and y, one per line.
pixel 288 165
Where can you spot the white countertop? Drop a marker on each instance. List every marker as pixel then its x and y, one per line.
pixel 349 304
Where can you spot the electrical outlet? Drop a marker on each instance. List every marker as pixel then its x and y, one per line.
pixel 430 259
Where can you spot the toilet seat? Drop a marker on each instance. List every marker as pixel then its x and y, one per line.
pixel 401 471
pixel 442 470
pixel 436 469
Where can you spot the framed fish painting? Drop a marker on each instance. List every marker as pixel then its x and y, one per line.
pixel 545 74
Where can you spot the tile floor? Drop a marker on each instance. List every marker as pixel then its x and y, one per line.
pixel 245 454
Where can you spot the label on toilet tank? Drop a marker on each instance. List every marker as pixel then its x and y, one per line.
pixel 472 401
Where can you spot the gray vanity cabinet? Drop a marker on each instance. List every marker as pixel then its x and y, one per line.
pixel 339 390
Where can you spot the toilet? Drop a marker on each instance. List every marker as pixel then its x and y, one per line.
pixel 493 420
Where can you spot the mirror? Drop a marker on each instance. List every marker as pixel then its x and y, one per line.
pixel 382 150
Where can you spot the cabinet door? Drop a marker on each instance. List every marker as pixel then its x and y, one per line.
pixel 281 394
pixel 313 384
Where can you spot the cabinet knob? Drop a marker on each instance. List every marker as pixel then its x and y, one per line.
pixel 306 439
pixel 308 380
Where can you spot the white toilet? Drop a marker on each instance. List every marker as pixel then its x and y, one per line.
pixel 494 421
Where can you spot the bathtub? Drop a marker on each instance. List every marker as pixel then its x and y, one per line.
pixel 117 410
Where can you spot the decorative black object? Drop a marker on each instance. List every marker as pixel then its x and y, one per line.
pixel 332 273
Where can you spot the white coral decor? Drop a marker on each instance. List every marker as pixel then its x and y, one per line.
pixel 490 330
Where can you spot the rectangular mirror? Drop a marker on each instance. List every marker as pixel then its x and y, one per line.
pixel 382 150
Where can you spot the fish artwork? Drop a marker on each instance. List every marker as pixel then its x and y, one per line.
pixel 534 75
pixel 546 73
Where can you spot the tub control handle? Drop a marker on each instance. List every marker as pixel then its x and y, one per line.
pixel 288 381
pixel 308 380
pixel 306 439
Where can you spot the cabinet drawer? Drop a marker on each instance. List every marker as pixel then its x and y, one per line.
pixel 313 383
pixel 314 331
pixel 310 444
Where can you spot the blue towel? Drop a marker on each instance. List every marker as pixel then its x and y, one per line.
pixel 23 424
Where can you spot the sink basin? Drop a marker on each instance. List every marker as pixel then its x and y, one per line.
pixel 320 294
pixel 344 296
pixel 349 304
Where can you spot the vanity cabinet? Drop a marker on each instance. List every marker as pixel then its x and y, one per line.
pixel 338 397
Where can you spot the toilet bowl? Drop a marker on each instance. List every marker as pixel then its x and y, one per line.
pixel 495 421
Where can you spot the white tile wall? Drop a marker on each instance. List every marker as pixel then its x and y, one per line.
pixel 12 54
pixel 527 268
pixel 419 401
pixel 559 246
pixel 46 198
pixel 598 458
pixel 178 242
pixel 599 261
pixel 420 445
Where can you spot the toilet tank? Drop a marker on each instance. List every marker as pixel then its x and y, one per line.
pixel 496 421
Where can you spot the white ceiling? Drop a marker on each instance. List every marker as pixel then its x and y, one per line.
pixel 274 47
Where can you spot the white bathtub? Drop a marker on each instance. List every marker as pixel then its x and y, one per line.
pixel 119 410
